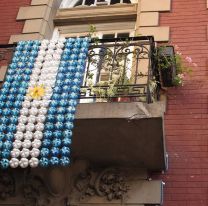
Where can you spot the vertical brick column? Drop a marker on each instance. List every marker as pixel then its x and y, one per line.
pixel 9 26
pixel 186 120
pixel 8 23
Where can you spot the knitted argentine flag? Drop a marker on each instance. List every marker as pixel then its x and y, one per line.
pixel 38 100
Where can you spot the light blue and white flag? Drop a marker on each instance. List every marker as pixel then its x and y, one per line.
pixel 38 100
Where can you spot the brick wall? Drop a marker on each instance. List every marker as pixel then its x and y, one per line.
pixel 8 23
pixel 186 120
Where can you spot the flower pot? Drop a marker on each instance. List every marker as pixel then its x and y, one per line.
pixel 120 99
pixel 167 77
pixel 124 99
pixel 167 66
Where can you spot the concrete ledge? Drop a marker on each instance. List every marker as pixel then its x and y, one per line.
pixel 41 2
pixel 146 192
pixel 37 26
pixel 161 34
pixel 142 192
pixel 155 5
pixel 25 37
pixel 34 12
pixel 33 25
pixel 129 134
pixel 149 19
pixel 84 28
pixel 133 110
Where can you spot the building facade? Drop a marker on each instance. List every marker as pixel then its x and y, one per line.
pixel 130 153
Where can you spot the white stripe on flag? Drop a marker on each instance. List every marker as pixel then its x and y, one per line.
pixel 33 113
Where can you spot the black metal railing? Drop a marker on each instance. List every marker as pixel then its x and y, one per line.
pixel 120 70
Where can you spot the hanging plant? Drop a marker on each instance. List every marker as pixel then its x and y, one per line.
pixel 172 67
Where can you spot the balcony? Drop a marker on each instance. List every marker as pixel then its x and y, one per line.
pixel 117 122
pixel 118 131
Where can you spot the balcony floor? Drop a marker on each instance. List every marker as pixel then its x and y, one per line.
pixel 123 134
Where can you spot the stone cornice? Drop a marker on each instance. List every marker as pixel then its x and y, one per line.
pixel 85 14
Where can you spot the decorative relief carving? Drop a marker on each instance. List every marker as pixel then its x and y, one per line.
pixel 62 186
pixel 34 191
pixel 109 183
pixel 7 185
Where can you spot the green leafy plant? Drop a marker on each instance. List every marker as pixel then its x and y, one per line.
pixel 93 34
pixel 183 65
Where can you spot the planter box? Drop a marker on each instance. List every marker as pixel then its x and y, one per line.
pixel 167 74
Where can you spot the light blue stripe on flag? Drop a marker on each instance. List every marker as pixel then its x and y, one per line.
pixel 59 122
pixel 12 95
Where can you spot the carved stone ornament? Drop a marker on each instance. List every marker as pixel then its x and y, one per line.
pixel 68 186
pixel 34 191
pixel 7 185
pixel 109 183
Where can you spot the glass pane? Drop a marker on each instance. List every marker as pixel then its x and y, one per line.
pixel 122 35
pixel 108 36
pixel 115 1
pixel 78 3
pixel 89 2
pixel 127 1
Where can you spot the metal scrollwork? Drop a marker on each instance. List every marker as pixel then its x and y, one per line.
pixel 117 64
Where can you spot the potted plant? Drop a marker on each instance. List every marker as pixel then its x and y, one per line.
pixel 172 67
pixel 167 65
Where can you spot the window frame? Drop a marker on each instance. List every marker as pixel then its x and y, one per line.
pixel 72 3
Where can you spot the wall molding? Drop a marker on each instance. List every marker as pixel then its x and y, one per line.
pixel 155 5
pixel 148 21
pixel 93 14
pixel 79 184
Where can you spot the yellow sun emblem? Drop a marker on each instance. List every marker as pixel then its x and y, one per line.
pixel 37 92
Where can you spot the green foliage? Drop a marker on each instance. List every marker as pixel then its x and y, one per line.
pixel 92 34
pixel 182 67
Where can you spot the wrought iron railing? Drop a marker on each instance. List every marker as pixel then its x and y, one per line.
pixel 120 70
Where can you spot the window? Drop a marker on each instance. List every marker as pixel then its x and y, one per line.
pixel 116 35
pixel 100 2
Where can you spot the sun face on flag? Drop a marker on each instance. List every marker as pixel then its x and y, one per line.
pixel 37 92
pixel 38 102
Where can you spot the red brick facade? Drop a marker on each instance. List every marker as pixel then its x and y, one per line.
pixel 186 120
pixel 9 25
pixel 8 14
